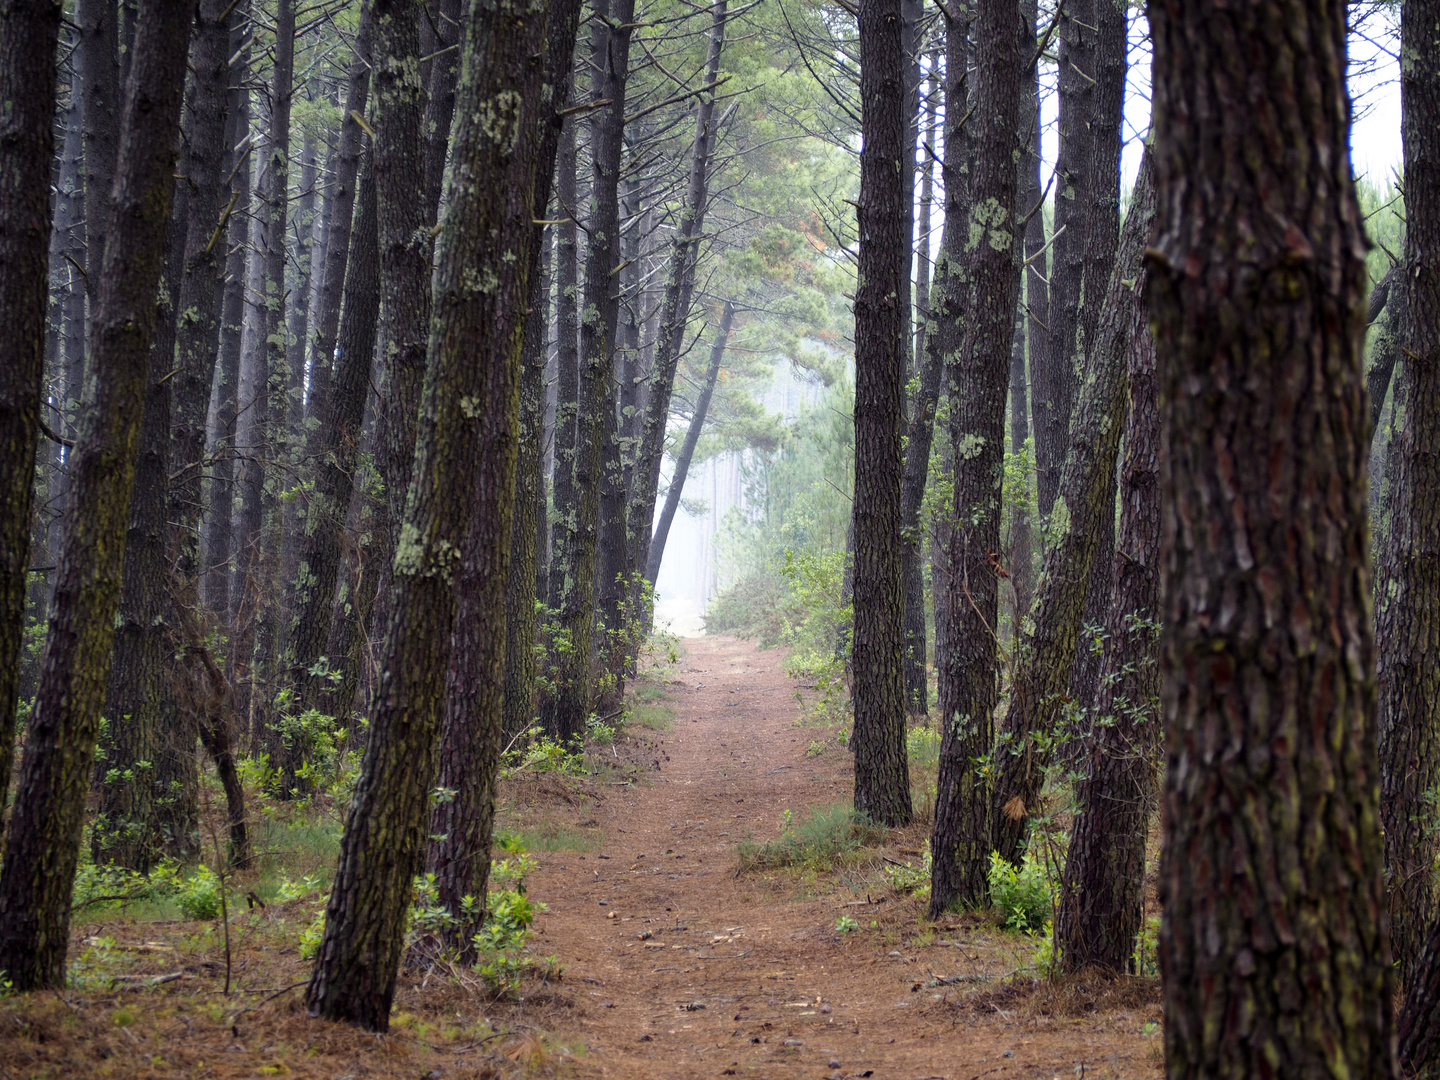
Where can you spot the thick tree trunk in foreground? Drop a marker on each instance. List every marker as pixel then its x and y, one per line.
pixel 687 448
pixel 466 443
pixel 1407 585
pixel 882 316
pixel 1102 895
pixel 27 85
pixel 1274 943
pixel 978 380
pixel 43 840
pixel 475 696
pixel 1046 643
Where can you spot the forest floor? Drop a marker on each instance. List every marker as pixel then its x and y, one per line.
pixel 676 962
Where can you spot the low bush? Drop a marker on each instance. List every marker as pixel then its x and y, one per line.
pixel 827 838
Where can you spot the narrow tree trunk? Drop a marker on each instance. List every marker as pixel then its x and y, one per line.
pixel 1407 585
pixel 1102 909
pixel 1054 372
pixel 27 86
pixel 1102 228
pixel 335 447
pixel 340 212
pixel 687 448
pixel 611 30
pixel 1274 942
pixel 466 443
pixel 882 310
pixel 220 500
pixel 675 306
pixel 99 55
pixel 978 378
pixel 919 429
pixel 43 839
pixel 440 101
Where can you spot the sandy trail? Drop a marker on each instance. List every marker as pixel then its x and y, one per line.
pixel 680 969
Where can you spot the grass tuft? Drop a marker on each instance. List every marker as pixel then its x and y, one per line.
pixel 829 837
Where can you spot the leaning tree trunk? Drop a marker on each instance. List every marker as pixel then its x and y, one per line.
pixel 1101 909
pixel 687 449
pixel 1274 941
pixel 978 380
pixel 43 840
pixel 611 30
pixel 1407 584
pixel 1046 643
pixel 27 86
pixel 882 310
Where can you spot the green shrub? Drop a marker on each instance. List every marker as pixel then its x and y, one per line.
pixel 199 895
pixel 828 837
pixel 1024 897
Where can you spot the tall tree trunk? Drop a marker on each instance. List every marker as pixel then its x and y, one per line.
pixel 1102 228
pixel 340 212
pixel 27 86
pixel 920 428
pixel 220 500
pixel 1407 586
pixel 1101 909
pixel 201 291
pixel 1274 942
pixel 674 312
pixel 611 30
pixel 336 447
pixel 882 315
pixel 1046 643
pixel 567 390
pixel 466 443
pixel 978 378
pixel 1407 582
pixel 99 55
pixel 138 706
pixel 440 101
pixel 476 695
pixel 687 448
pixel 1029 347
pixel 1053 373
pixel 43 839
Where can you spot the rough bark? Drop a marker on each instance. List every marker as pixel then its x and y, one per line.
pixel 1407 581
pixel 882 778
pixel 1051 628
pixel 1274 941
pixel 27 85
pixel 1101 909
pixel 99 56
pixel 476 690
pixel 466 443
pixel 611 30
pixel 977 380
pixel 43 838
pixel 1102 228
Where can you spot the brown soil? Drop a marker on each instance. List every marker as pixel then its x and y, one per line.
pixel 674 966
pixel 680 968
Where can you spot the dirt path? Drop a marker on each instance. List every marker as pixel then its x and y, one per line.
pixel 680 969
